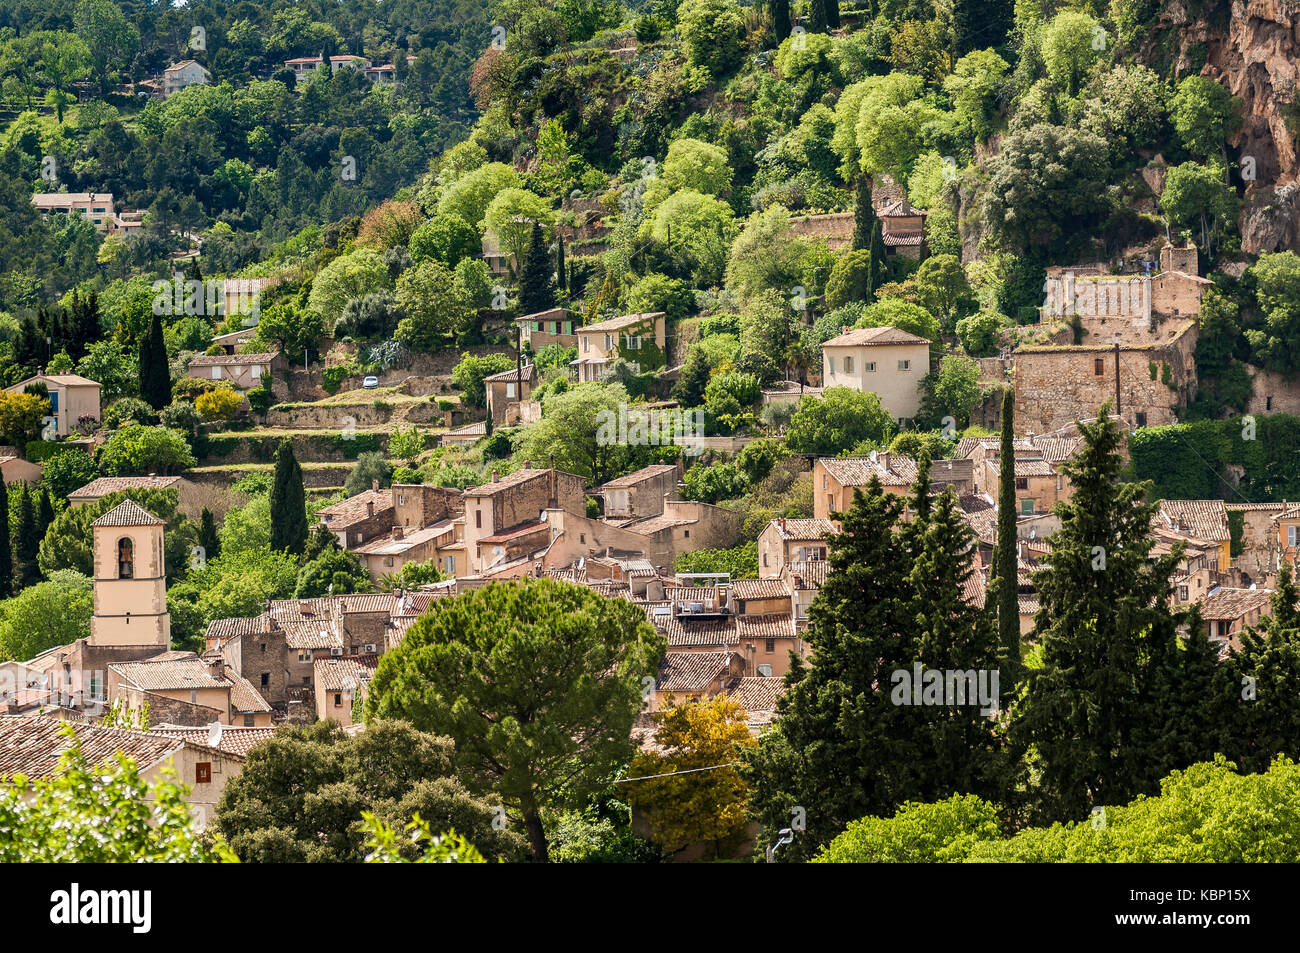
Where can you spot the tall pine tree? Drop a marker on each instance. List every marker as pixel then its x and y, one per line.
pixel 561 270
pixel 536 284
pixel 780 10
pixel 208 537
pixel 6 545
pixel 29 572
pixel 155 372
pixel 864 215
pixel 44 513
pixel 288 503
pixel 1107 638
pixel 1005 563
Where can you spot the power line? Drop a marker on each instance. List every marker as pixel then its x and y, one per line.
pixel 670 774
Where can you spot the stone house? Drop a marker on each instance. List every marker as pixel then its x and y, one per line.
pixel 1260 540
pixel 503 518
pixel 188 690
pixel 638 339
pixel 96 206
pixel 506 389
pixel 185 73
pixel 902 229
pixel 785 541
pixel 31 745
pixel 642 493
pixel 1228 612
pixel 556 326
pixel 71 398
pixel 886 361
pixel 1200 519
pixel 14 469
pixel 340 682
pixel 245 372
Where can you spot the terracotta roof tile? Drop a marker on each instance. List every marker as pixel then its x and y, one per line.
pixel 691 671
pixel 128 513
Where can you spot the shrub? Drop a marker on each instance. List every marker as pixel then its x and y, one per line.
pixel 219 404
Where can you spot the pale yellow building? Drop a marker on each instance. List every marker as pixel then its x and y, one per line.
pixel 884 361
pixel 71 398
pixel 130 579
pixel 639 339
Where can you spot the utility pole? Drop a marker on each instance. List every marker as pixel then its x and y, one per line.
pixel 1117 402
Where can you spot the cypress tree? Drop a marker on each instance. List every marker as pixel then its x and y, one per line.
pixel 536 285
pixel 155 374
pixel 45 513
pixel 208 537
pixel 561 274
pixel 1005 563
pixel 288 503
pixel 780 10
pixel 29 572
pixel 879 264
pixel 1106 635
pixel 864 216
pixel 6 545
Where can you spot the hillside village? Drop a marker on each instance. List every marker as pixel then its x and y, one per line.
pixel 653 388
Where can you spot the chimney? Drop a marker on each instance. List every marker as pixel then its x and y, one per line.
pixel 494 475
pixel 528 464
pixel 781 521
pixel 397 532
pixel 370 508
pixel 374 486
pixel 845 329
pixel 217 667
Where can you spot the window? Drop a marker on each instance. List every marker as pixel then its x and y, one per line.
pixel 1268 402
pixel 388 560
pixel 586 344
pixel 609 342
pixel 869 367
pixel 1141 420
pixel 125 559
pixel 338 699
pixel 848 365
pixel 1290 535
pixel 478 519
pixel 1022 483
pixel 765 559
pixel 510 389
pixel 248 721
pixel 54 402
pixel 568 327
pixel 203 772
pixel 1182 593
pixel 770 647
pixel 266 679
pixel 904 365
pixel 216 373
pixel 449 564
pixel 582 537
pixel 554 327
pixel 263 644
pixel 1027 506
pixel 1098 366
pixel 688 534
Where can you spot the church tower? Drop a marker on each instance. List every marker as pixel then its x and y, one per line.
pixel 130 581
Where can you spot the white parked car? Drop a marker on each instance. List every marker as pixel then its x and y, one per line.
pixel 370 382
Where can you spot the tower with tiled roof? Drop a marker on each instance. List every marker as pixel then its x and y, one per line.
pixel 130 579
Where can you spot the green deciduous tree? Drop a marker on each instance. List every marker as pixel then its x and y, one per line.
pixel 536 682
pixel 136 450
pixel 838 421
pixel 46 614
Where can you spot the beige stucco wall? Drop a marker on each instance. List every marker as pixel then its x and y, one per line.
pixel 130 611
pixel 899 390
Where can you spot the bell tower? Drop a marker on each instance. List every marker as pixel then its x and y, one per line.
pixel 130 579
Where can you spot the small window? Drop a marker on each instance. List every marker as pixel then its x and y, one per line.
pixel 848 365
pixel 771 646
pixel 582 537
pixel 869 367
pixel 1290 535
pixel 266 679
pixel 401 499
pixel 568 327
pixel 203 772
pixel 510 389
pixel 1268 403
pixel 688 534
pixel 1022 483
pixel 338 699
pixel 388 560
pixel 1141 420
pixel 1099 366
pixel 904 365
pixel 478 519
pixel 1027 506
pixel 1182 593
pixel 248 721
pixel 263 645
pixel 554 327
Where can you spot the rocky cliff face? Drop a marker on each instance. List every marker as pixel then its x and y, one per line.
pixel 1255 52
